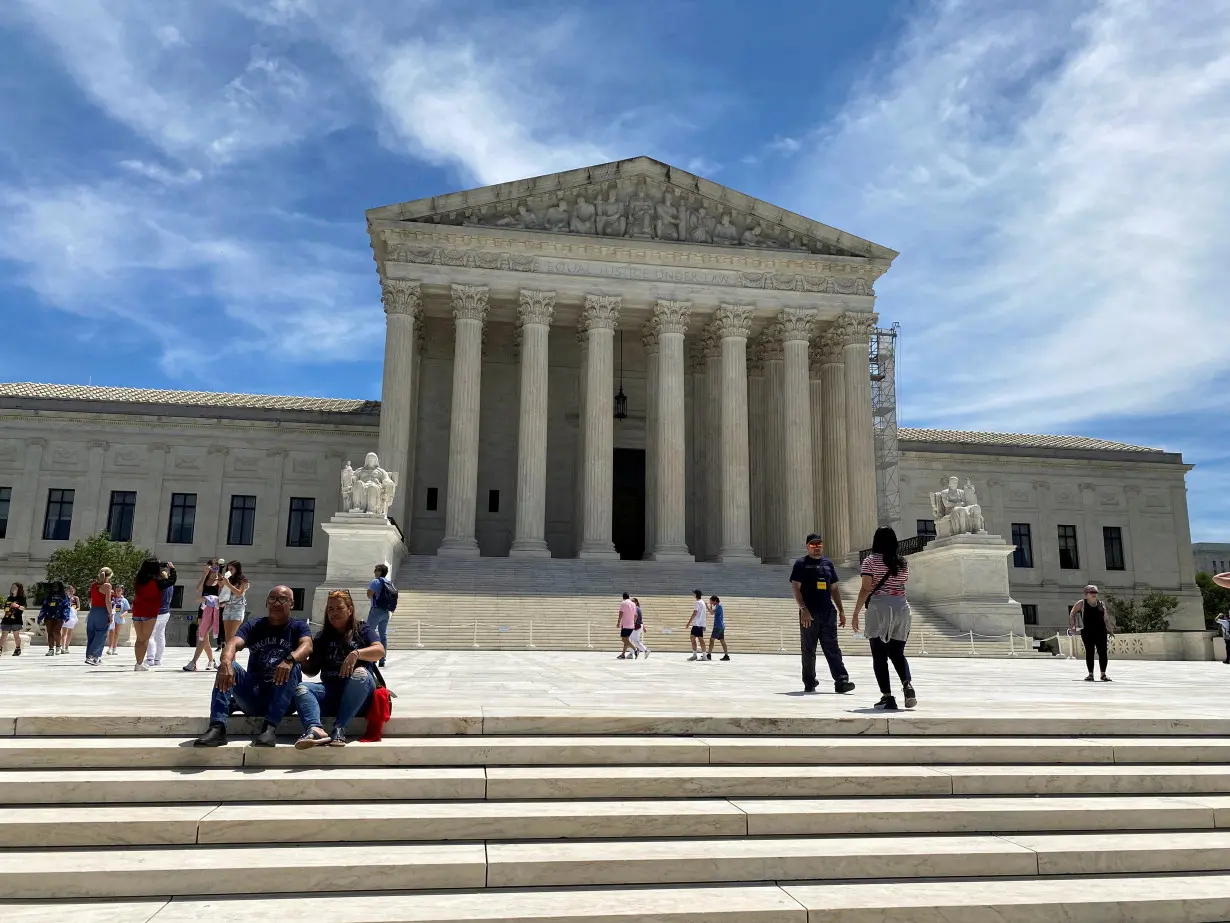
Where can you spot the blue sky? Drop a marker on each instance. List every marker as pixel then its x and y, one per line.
pixel 182 184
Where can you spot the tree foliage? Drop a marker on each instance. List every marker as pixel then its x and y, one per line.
pixel 1216 599
pixel 80 564
pixel 1137 616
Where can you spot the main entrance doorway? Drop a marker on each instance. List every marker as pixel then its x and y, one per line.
pixel 628 504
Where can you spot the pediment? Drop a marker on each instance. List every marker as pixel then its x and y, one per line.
pixel 637 199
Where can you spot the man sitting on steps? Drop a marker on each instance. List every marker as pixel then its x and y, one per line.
pixel 278 645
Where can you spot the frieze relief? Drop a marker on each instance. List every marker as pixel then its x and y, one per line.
pixel 520 262
pixel 639 209
pixel 65 456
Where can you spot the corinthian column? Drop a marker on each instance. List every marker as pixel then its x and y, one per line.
pixel 776 551
pixel 817 442
pixel 649 337
pixel 600 318
pixel 833 461
pixel 711 346
pixel 403 309
pixel 670 321
pixel 469 314
pixel 796 327
pixel 757 410
pixel 733 326
pixel 535 315
pixel 855 331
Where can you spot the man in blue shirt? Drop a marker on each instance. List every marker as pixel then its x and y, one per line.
pixel 378 617
pixel 277 646
pixel 814 582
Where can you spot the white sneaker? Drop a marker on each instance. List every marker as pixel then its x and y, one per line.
pixel 693 657
pixel 140 668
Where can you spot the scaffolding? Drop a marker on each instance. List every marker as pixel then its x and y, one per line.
pixel 883 355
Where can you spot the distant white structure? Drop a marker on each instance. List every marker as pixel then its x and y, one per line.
pixel 957 511
pixel 370 489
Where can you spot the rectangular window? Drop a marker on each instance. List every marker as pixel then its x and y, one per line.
pixel 1112 541
pixel 297 592
pixel 493 501
pixel 433 497
pixel 1023 542
pixel 177 597
pixel 243 520
pixel 301 522
pixel 1030 612
pixel 6 496
pixel 182 522
pixel 120 515
pixel 1069 556
pixel 59 518
pixel 925 527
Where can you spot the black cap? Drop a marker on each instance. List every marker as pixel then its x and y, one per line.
pixel 813 537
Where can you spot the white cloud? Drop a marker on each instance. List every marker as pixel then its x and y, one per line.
pixel 169 36
pixel 162 174
pixel 1058 182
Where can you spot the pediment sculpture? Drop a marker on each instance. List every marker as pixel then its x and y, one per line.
pixel 956 510
pixel 370 489
pixel 636 208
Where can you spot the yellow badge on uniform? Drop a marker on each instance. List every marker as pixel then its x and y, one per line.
pixel 822 584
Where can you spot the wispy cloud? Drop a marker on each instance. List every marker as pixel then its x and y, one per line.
pixel 1058 182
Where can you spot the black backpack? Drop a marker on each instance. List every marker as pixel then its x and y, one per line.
pixel 386 598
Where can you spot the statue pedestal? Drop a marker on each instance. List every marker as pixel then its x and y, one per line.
pixel 357 543
pixel 964 579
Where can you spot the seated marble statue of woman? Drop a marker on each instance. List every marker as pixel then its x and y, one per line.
pixel 344 654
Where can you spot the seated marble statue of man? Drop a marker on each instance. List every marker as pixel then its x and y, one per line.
pixel 344 654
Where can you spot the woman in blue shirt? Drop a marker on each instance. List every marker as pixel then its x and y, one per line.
pixel 344 654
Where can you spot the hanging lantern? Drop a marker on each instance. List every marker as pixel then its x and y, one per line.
pixel 621 399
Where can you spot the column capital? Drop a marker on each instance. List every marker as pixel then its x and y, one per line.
pixel 649 338
pixel 601 312
pixel 771 342
pixel 734 320
pixel 828 347
pixel 38 442
pixel 854 329
pixel 401 297
pixel 470 302
pixel 536 308
pixel 671 316
pixel 795 324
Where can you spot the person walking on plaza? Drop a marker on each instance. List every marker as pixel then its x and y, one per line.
pixel 232 600
pixel 70 623
pixel 1093 622
pixel 158 637
pixel 719 628
pixel 344 653
pixel 697 624
pixel 52 614
pixel 277 647
pixel 98 621
pixel 14 615
pixel 120 607
pixel 209 620
pixel 884 574
pixel 383 595
pixel 638 632
pixel 814 582
pixel 626 623
pixel 154 583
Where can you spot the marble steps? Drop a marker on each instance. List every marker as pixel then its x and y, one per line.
pixel 135 872
pixel 1080 899
pixel 612 750
pixel 221 824
pixel 313 783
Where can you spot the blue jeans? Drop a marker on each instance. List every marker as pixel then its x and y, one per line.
pixel 823 632
pixel 379 620
pixel 97 624
pixel 344 698
pixel 254 697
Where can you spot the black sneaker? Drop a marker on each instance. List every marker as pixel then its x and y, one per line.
pixel 886 703
pixel 17 653
pixel 843 687
pixel 910 698
pixel 811 688
pixel 725 656
pixel 214 737
pixel 268 737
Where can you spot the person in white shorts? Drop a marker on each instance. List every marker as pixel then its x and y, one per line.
pixel 697 623
pixel 638 632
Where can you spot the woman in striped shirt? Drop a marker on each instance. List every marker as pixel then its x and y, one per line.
pixel 884 574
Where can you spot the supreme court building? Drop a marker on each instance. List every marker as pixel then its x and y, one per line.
pixel 625 361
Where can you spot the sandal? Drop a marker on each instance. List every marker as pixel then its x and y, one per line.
pixel 314 738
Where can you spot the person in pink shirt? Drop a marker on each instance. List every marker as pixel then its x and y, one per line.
pixel 627 624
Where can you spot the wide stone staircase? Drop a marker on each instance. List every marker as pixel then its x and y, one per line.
pixel 856 819
pixel 509 604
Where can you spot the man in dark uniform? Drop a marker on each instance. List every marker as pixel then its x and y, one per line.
pixel 814 581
